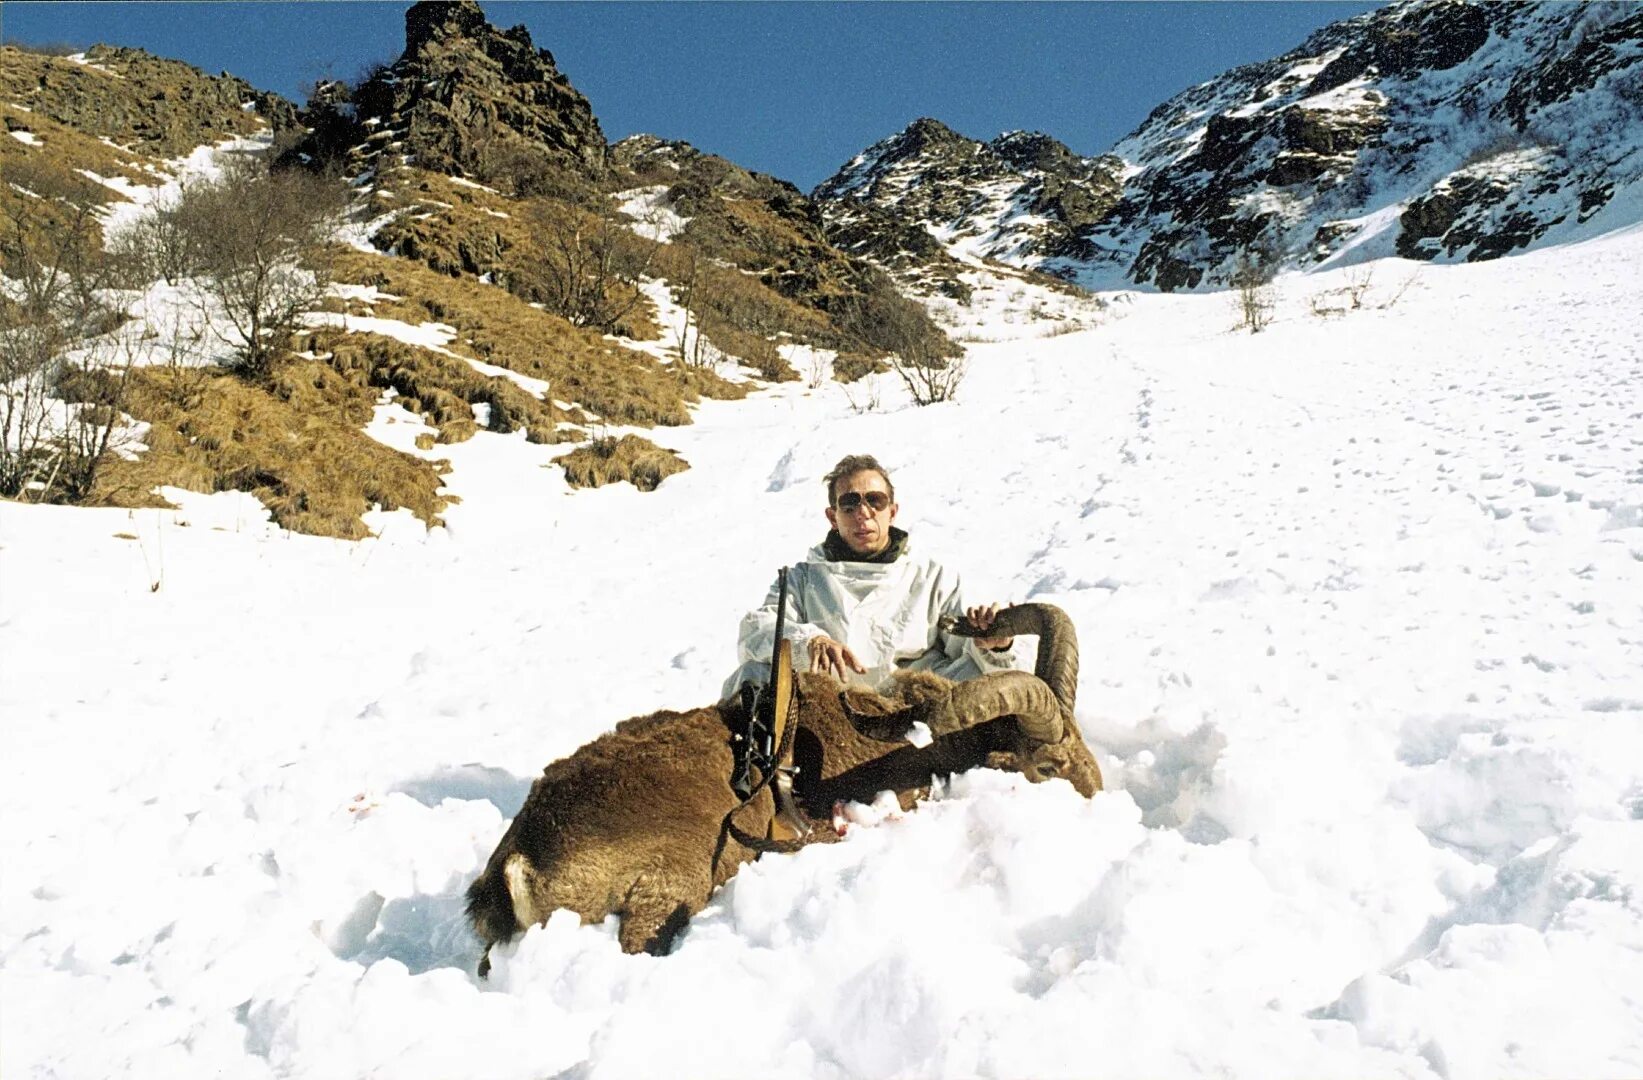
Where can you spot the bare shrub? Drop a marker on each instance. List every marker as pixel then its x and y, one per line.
pixel 929 364
pixel 1253 297
pixel 62 377
pixel 1357 287
pixel 1398 293
pixel 259 239
pixel 160 244
pixel 584 267
pixel 737 313
pixel 863 395
pixel 526 171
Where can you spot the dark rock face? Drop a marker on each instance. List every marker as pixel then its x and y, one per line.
pixel 1602 52
pixel 1022 191
pixel 464 94
pixel 1435 38
pixel 1484 125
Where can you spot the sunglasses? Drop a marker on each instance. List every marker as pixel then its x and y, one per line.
pixel 851 501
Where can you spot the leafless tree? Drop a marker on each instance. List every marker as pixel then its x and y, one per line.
pixel 928 363
pixel 55 321
pixel 259 239
pixel 587 268
pixel 160 243
pixel 1251 281
pixel 695 350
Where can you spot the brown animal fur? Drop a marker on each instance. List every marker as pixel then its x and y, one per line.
pixel 635 823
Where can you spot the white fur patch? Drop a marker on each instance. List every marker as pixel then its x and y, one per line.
pixel 516 872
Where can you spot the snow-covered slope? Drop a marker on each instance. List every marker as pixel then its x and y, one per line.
pixel 1436 129
pixel 1362 658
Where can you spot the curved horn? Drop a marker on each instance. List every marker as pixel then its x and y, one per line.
pixel 966 704
pixel 1057 662
pixel 1007 693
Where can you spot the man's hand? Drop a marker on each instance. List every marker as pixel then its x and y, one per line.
pixel 982 618
pixel 831 657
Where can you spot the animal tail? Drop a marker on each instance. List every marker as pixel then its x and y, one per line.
pixel 499 902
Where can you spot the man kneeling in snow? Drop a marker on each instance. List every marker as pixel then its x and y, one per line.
pixel 860 604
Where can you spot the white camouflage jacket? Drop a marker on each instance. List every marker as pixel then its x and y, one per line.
pixel 887 613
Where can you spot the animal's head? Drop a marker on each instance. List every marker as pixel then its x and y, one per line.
pixel 1069 760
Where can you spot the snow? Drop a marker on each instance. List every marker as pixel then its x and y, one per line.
pixel 653 216
pixel 80 58
pixel 1361 611
pixel 203 163
pixel 462 181
pixel 27 138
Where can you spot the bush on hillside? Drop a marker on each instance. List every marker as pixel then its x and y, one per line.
pixel 257 239
pixel 609 460
pixel 584 267
pixel 928 362
pixel 63 377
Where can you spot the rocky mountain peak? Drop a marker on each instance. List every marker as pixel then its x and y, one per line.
pixel 1023 190
pixel 1032 150
pixel 1430 129
pixel 430 20
pixel 464 96
pixel 442 18
pixel 925 134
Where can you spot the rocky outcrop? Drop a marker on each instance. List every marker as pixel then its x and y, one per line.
pixel 1436 37
pixel 1023 192
pixel 763 226
pixel 465 95
pixel 1486 127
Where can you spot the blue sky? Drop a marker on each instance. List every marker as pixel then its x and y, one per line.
pixel 792 89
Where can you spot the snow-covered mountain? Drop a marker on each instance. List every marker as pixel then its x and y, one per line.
pixel 1441 130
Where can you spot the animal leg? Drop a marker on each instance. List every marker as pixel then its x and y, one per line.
pixel 653 915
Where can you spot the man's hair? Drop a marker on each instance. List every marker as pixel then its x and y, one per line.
pixel 849 466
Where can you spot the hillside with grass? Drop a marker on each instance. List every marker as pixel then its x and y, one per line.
pixel 210 288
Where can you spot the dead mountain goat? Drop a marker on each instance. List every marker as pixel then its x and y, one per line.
pixel 638 823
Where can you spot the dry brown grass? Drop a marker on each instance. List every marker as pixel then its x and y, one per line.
pixel 65 151
pixel 50 179
pixel 580 365
pixel 298 446
pixel 442 389
pixel 451 227
pixel 162 106
pixel 609 460
pixel 458 230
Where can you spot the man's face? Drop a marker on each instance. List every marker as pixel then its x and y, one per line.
pixel 865 531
